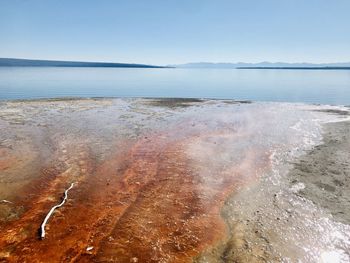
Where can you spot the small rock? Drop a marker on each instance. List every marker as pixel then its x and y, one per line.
pixel 89 248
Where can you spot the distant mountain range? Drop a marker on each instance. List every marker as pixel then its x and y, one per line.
pixel 262 65
pixel 15 62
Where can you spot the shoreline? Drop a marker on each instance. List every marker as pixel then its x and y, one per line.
pixel 323 172
pixel 179 99
pixel 160 99
pixel 320 176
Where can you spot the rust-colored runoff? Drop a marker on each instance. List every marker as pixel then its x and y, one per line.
pixel 146 203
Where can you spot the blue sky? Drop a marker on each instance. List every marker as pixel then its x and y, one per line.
pixel 177 31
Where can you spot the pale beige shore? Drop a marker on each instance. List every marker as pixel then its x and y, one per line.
pixel 325 172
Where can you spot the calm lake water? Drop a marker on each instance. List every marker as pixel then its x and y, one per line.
pixel 311 86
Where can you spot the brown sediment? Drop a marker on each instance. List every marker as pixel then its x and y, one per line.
pixel 173 102
pixel 146 203
pixel 334 111
pixel 237 101
pixel 6 159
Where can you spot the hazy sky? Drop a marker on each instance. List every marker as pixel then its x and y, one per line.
pixel 165 32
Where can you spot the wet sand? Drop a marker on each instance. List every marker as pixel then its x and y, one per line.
pixel 156 180
pixel 324 172
pixel 271 222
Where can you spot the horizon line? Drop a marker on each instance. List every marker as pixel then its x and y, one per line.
pixel 168 64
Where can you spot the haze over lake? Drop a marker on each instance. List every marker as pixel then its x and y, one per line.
pixel 309 86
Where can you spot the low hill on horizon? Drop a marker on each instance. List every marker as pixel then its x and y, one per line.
pixel 261 65
pixel 17 62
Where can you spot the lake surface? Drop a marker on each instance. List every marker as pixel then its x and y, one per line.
pixel 310 86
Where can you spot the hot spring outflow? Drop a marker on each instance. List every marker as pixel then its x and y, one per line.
pixel 154 174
